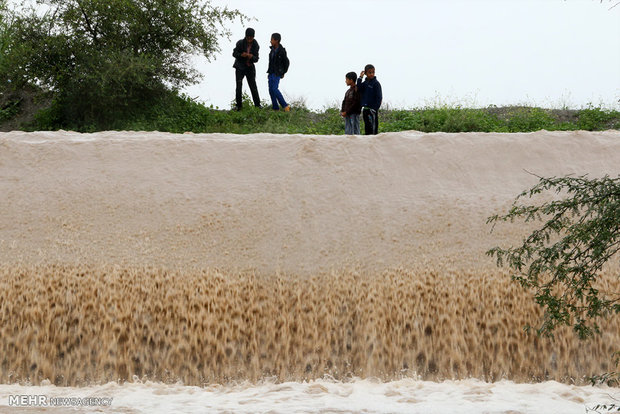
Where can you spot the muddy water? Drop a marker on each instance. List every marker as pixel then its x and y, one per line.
pixel 76 325
pixel 223 258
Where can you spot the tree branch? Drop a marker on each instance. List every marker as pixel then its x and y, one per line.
pixel 91 30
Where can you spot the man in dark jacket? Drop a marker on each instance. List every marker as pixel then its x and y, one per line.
pixel 372 96
pixel 246 55
pixel 278 66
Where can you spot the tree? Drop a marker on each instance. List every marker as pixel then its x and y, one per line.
pixel 108 58
pixel 562 260
pixel 6 38
pixel 6 28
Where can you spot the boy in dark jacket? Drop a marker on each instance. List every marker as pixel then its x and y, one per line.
pixel 351 106
pixel 372 96
pixel 278 66
pixel 246 55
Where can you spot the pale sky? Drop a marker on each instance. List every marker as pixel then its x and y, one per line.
pixel 550 53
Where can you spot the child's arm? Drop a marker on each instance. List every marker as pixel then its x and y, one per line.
pixel 360 83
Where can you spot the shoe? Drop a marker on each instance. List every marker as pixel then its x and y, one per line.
pixel 287 108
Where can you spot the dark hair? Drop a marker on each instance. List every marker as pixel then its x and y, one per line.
pixel 276 37
pixel 249 32
pixel 368 67
pixel 351 75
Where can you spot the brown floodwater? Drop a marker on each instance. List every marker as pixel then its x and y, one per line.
pixel 221 258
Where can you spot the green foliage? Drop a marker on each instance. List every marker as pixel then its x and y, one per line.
pixel 492 119
pixel 9 110
pixel 444 119
pixel 168 111
pixel 561 260
pixel 592 119
pixel 529 119
pixel 6 38
pixel 5 29
pixel 107 60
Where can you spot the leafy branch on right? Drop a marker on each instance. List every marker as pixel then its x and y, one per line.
pixel 561 260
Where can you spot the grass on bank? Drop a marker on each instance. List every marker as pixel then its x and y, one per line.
pixel 180 114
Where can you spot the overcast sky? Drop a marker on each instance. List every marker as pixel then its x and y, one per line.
pixel 551 53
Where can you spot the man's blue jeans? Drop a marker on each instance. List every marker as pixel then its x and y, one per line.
pixel 274 92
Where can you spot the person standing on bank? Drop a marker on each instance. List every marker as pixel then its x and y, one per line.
pixel 372 96
pixel 278 66
pixel 351 106
pixel 246 55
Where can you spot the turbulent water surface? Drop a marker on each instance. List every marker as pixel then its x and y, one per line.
pixel 268 263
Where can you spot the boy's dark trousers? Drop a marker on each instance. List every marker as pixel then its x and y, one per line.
pixel 250 74
pixel 371 121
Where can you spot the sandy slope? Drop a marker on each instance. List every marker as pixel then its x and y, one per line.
pixel 290 203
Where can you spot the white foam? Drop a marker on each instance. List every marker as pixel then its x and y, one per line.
pixel 358 396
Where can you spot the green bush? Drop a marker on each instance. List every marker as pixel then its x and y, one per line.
pixel 591 119
pixel 9 110
pixel 107 62
pixel 529 119
pixel 171 112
